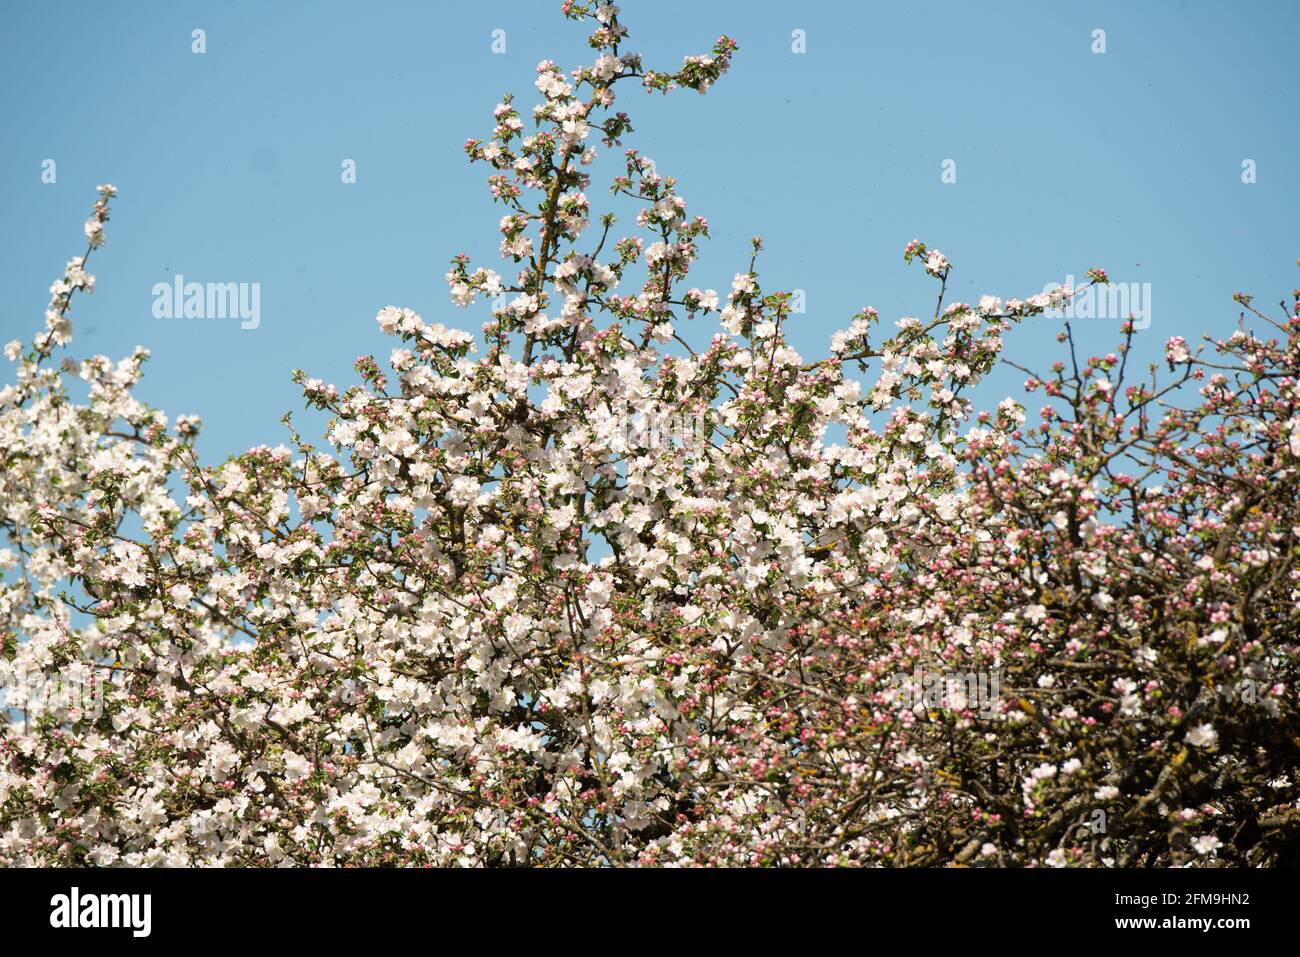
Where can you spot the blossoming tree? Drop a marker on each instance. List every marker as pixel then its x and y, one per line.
pixel 573 593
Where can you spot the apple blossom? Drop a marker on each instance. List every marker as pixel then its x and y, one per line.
pixel 504 617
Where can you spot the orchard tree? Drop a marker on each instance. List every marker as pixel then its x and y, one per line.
pixel 572 593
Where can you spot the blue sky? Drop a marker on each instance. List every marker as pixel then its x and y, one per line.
pixel 228 165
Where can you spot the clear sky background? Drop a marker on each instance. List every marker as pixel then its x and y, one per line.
pixel 228 165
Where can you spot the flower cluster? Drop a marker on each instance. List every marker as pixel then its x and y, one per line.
pixel 490 623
